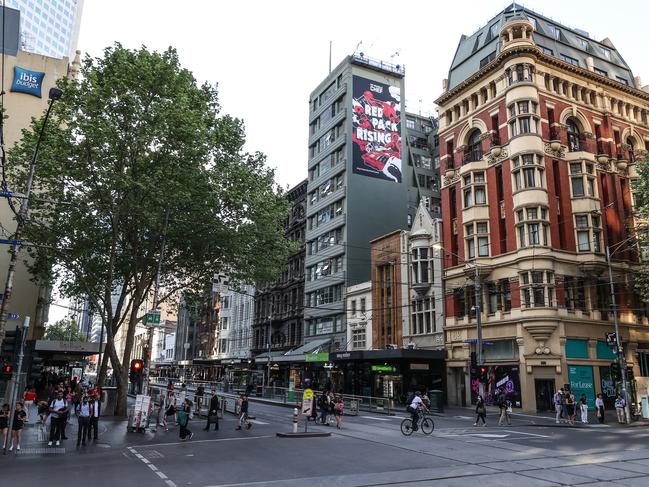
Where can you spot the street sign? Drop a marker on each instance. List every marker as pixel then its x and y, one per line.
pixel 307 402
pixel 153 318
pixel 316 357
pixel 13 316
pixel 611 339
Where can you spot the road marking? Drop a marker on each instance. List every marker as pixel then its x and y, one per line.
pixel 203 441
pixel 256 421
pixel 375 418
pixel 153 468
pixel 487 435
pixel 528 434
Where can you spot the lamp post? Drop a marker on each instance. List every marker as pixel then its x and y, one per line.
pixel 21 218
pixel 477 288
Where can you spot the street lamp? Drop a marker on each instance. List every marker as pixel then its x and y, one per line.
pixel 477 287
pixel 620 349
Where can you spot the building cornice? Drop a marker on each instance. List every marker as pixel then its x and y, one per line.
pixel 551 60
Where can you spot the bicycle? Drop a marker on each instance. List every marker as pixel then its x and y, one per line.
pixel 425 424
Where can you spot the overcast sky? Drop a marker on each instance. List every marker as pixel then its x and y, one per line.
pixel 267 56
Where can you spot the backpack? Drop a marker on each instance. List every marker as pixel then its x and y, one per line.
pixel 183 418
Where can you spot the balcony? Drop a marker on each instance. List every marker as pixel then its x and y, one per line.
pixel 472 155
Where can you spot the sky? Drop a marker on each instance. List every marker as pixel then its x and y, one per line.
pixel 267 56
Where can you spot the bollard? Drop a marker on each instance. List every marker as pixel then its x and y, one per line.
pixel 295 418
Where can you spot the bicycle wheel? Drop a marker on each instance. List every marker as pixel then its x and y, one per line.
pixel 427 425
pixel 406 427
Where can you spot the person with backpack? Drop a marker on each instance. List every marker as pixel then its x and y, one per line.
pixel 58 415
pixel 183 416
pixel 413 408
pixel 339 407
pixel 481 412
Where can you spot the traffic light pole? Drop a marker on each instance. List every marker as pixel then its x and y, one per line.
pixel 620 350
pixel 478 314
pixel 15 382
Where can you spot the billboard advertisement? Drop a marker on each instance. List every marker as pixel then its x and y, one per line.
pixel 581 382
pixel 499 378
pixel 26 81
pixel 376 126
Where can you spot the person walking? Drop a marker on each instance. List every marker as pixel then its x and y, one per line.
pixel 94 403
pixel 183 417
pixel 58 414
pixel 339 406
pixel 481 412
pixel 213 412
pixel 599 407
pixel 170 411
pixel 571 407
pixel 160 417
pixel 502 407
pixel 583 408
pixel 198 395
pixel 84 412
pixel 243 413
pixel 28 399
pixel 558 401
pixel 323 404
pixel 4 424
pixel 620 405
pixel 20 416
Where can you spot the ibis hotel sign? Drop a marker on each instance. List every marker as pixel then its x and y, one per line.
pixel 26 81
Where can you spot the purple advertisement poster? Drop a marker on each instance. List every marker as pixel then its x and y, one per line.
pixel 499 378
pixel 376 125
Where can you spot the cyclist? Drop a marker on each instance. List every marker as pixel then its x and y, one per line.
pixel 413 408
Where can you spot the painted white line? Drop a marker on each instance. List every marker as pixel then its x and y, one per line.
pixel 162 476
pixel 256 421
pixel 528 434
pixel 204 441
pixel 487 435
pixel 375 418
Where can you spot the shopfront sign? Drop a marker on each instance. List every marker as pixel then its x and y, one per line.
pixel 26 81
pixel 581 382
pixel 419 367
pixel 316 357
pixel 385 369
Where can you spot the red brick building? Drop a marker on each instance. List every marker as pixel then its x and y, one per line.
pixel 541 128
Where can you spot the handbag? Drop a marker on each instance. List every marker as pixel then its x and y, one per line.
pixel 509 409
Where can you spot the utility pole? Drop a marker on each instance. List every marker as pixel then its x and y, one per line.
pixel 620 350
pixel 21 217
pixel 16 380
pixel 478 312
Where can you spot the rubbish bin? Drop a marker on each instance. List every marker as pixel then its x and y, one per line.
pixel 436 401
pixel 108 401
pixel 644 406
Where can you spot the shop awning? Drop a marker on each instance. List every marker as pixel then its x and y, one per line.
pixel 392 354
pixel 296 355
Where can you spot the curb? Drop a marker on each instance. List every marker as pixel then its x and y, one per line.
pixel 315 434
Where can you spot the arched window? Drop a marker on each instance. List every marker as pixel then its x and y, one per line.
pixel 474 147
pixel 574 134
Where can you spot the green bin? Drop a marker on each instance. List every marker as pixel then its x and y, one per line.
pixel 436 401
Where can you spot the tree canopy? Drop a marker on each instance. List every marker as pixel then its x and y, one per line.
pixel 67 330
pixel 136 152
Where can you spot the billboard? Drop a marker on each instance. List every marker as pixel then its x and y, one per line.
pixel 376 126
pixel 26 81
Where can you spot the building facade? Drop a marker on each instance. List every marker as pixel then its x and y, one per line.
pixel 359 316
pixel 422 176
pixel 28 298
pixel 356 190
pixel 541 127
pixel 279 307
pixel 49 27
pixel 235 310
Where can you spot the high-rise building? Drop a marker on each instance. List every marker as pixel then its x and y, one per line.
pixel 422 174
pixel 49 27
pixel 541 127
pixel 356 188
pixel 235 323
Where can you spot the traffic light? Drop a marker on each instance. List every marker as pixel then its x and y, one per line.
pixel 615 372
pixel 36 368
pixel 137 366
pixel 474 359
pixel 11 343
pixel 7 371
pixel 483 374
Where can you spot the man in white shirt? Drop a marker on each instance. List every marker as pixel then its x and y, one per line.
pixel 58 408
pixel 414 406
pixel 93 426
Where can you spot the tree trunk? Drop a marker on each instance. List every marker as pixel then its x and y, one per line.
pixel 103 367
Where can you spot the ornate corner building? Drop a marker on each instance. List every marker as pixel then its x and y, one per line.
pixel 540 131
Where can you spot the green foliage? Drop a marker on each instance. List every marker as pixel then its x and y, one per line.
pixel 641 191
pixel 136 149
pixel 66 330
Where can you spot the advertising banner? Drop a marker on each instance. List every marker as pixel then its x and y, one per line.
pixel 26 81
pixel 581 382
pixel 376 126
pixel 498 378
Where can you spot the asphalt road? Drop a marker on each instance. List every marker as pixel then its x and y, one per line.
pixel 368 451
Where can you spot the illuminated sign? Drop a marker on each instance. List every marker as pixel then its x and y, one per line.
pixel 26 81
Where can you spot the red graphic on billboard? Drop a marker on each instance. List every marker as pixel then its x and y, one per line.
pixel 376 125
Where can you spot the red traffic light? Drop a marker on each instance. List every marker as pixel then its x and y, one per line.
pixel 137 365
pixel 7 369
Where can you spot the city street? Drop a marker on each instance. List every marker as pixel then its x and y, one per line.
pixel 369 450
